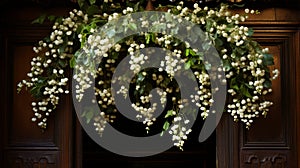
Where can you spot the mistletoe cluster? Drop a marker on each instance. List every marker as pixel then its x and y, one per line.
pixel 244 62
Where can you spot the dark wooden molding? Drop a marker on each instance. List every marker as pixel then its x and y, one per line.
pixel 297 90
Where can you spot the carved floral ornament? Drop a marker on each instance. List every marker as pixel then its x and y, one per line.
pixel 186 37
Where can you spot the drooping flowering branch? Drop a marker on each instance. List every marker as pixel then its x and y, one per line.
pixel 245 63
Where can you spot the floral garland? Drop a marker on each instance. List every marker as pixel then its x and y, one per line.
pixel 245 64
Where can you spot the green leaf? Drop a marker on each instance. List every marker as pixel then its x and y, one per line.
pixel 207 66
pixel 41 80
pixel 136 6
pixel 47 39
pixel 169 113
pixel 92 2
pixel 240 50
pixel 114 55
pixel 218 42
pixel 208 24
pixel 166 125
pixel 110 33
pixel 197 32
pixel 159 27
pixel 192 38
pixel 141 77
pixel 132 26
pixel 61 49
pixel 268 84
pixel 148 37
pixel 89 115
pixel 192 52
pixel 206 46
pixel 250 31
pixel 226 65
pixel 153 37
pixel 72 62
pixel 92 10
pixel 229 27
pixel 245 91
pixel 81 3
pixel 86 61
pixel 36 91
pixel 154 18
pixel 188 64
pixel 249 86
pixel 62 63
pixel 268 59
pixel 52 18
pixel 168 17
pixel 234 84
pixel 174 30
pixel 59 19
pixel 187 52
pixel 239 5
pixel 40 19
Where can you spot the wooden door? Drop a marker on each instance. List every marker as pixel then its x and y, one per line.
pixel 22 143
pixel 272 141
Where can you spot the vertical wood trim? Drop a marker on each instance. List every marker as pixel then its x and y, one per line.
pixel 227 140
pixel 2 93
pixel 297 52
pixel 78 143
pixel 66 134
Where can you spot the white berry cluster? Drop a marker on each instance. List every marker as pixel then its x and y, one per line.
pixel 85 70
pixel 173 62
pixel 47 77
pixel 179 131
pixel 100 122
pixel 203 97
pixel 146 113
pixel 137 59
pixel 250 106
pixel 244 61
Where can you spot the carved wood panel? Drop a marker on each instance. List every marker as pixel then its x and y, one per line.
pixel 270 160
pixel 276 118
pixel 21 159
pixel 271 141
